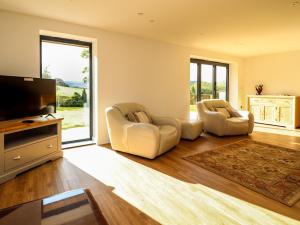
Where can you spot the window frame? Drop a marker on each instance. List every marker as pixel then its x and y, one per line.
pixel 214 64
pixel 67 41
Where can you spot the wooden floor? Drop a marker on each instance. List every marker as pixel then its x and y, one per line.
pixel 167 190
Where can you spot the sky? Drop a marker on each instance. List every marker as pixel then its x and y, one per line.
pixel 64 61
pixel 206 73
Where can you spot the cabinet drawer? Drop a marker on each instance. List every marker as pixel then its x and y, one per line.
pixel 255 100
pixel 262 101
pixel 20 156
pixel 285 102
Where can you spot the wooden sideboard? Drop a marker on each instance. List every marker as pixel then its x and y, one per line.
pixel 275 110
pixel 26 145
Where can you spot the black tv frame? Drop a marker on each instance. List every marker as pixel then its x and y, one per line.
pixel 29 79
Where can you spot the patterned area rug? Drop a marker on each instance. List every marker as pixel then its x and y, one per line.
pixel 270 170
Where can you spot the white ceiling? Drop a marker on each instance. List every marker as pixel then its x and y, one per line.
pixel 238 27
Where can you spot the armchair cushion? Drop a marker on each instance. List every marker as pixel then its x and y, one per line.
pixel 142 117
pixel 211 109
pixel 224 111
pixel 232 111
pixel 130 117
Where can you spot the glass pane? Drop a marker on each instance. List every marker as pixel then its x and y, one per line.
pixel 206 81
pixel 221 82
pixel 69 65
pixel 193 90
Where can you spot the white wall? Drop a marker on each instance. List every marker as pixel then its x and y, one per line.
pixel 279 73
pixel 153 73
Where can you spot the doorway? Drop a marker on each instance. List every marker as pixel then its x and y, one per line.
pixel 69 62
pixel 208 80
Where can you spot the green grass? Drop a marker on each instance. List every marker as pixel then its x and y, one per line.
pixel 193 108
pixel 69 108
pixel 68 91
pixel 73 117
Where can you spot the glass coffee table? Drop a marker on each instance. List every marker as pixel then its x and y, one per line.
pixel 76 207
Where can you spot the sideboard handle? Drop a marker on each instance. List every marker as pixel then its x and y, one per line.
pixel 17 157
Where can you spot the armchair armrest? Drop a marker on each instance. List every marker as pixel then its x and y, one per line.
pixel 142 139
pixel 215 122
pixel 250 117
pixel 244 113
pixel 165 120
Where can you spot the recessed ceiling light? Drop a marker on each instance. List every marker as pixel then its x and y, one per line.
pixel 152 21
pixel 140 13
pixel 295 3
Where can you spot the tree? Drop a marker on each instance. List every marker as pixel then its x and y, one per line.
pixel 193 95
pixel 85 70
pixel 75 101
pixel 84 96
pixel 85 54
pixel 46 73
pixel 60 82
pixel 85 80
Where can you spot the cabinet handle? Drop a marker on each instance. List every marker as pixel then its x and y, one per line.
pixel 17 157
pixel 50 146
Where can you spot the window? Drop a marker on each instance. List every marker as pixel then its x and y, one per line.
pixel 208 80
pixel 70 63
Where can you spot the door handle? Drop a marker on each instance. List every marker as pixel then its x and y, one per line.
pixel 50 146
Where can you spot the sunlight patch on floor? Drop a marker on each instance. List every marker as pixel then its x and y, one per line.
pixel 164 198
pixel 277 130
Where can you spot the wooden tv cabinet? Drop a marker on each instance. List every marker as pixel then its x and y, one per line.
pixel 26 145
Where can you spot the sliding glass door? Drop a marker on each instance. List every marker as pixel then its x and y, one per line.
pixel 69 62
pixel 212 79
pixel 221 85
pixel 208 80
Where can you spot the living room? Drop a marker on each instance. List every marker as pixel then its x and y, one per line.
pixel 142 52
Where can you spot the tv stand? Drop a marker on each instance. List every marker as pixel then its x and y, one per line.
pixel 50 115
pixel 24 145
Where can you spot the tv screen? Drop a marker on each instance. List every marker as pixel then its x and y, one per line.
pixel 24 97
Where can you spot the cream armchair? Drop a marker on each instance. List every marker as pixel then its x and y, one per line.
pixel 216 122
pixel 143 139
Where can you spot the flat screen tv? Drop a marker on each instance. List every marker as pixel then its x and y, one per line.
pixel 25 97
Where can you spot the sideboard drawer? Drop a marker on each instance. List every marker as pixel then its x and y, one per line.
pixel 285 102
pixel 22 155
pixel 263 101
